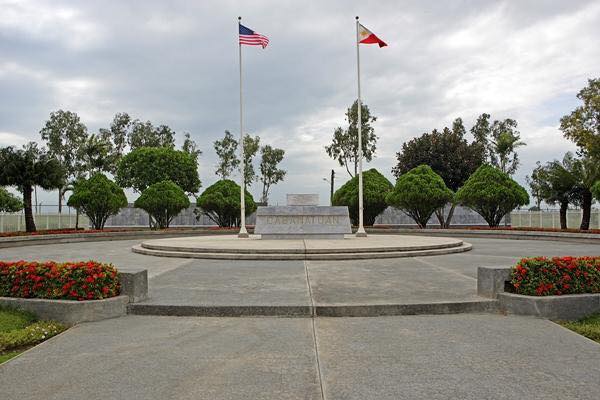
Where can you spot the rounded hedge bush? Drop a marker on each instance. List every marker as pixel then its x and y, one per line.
pixel 89 280
pixel 98 198
pixel 543 276
pixel 221 203
pixel 418 193
pixel 163 201
pixel 492 194
pixel 375 188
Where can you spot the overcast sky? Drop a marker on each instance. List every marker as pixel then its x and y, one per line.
pixel 176 63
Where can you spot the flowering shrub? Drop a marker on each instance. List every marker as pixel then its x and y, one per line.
pixel 543 276
pixel 50 280
pixel 35 333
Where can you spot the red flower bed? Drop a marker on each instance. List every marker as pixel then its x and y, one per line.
pixel 543 276
pixel 89 280
pixel 531 229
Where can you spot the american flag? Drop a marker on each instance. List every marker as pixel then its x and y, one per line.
pixel 251 38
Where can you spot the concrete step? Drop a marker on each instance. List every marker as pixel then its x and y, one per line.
pixel 231 255
pixel 352 310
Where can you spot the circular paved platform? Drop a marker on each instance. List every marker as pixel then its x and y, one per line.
pixel 231 247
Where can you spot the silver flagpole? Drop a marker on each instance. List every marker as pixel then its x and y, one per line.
pixel 361 229
pixel 243 232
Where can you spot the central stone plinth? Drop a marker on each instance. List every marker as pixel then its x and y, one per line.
pixel 297 222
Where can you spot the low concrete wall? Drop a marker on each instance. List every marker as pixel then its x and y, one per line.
pixel 134 288
pixel 566 307
pixel 70 311
pixel 492 282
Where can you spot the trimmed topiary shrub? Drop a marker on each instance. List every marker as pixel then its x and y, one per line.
pixel 492 194
pixel 418 193
pixel 98 198
pixel 89 280
pixel 375 188
pixel 543 276
pixel 8 202
pixel 221 203
pixel 163 201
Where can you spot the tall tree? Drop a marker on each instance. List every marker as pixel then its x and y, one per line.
pixel 344 146
pixel 226 151
pixel 270 173
pixel 558 182
pixel 583 124
pixel 28 167
pixel 448 154
pixel 589 175
pixel 501 140
pixel 191 147
pixel 251 146
pixel 95 155
pixel 535 184
pixel 116 135
pixel 144 134
pixel 65 135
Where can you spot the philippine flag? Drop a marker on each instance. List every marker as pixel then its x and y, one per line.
pixel 367 37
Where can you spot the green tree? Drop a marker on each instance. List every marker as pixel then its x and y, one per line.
pixel 147 165
pixel 344 146
pixel 492 194
pixel 448 154
pixel 589 174
pixel 558 182
pixel 419 193
pixel 596 190
pixel 65 136
pixel 144 134
pixel 501 139
pixel 535 185
pixel 582 126
pixel 116 135
pixel 270 173
pixel 251 146
pixel 95 155
pixel 163 201
pixel 191 147
pixel 8 202
pixel 375 189
pixel 221 203
pixel 97 197
pixel 226 151
pixel 26 168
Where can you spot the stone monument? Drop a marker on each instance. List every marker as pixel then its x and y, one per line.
pixel 302 218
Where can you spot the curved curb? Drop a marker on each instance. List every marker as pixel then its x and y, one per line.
pixel 302 256
pixel 593 238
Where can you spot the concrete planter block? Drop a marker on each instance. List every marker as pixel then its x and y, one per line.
pixel 492 280
pixel 134 284
pixel 70 311
pixel 565 307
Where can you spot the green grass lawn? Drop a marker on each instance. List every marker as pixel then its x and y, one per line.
pixel 588 327
pixel 20 330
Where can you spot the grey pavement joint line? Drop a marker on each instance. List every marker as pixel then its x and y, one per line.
pixel 444 268
pixel 314 331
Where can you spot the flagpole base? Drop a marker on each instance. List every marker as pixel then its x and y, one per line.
pixel 243 233
pixel 361 232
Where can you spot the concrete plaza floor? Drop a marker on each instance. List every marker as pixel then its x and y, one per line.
pixel 467 356
pixel 416 280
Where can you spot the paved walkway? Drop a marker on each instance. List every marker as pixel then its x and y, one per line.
pixel 433 279
pixel 467 356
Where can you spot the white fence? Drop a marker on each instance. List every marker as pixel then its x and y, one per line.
pixel 16 222
pixel 551 219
